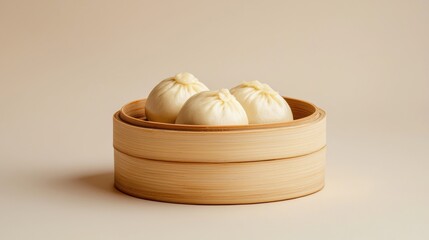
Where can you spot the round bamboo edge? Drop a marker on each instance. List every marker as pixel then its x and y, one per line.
pixel 318 116
pixel 226 183
pixel 119 188
pixel 218 162
pixel 211 146
pixel 133 112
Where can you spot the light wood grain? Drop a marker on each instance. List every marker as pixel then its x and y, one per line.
pixel 220 183
pixel 220 146
pixel 134 113
pixel 220 164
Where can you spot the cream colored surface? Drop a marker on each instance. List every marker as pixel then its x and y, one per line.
pixel 262 103
pixel 214 108
pixel 67 66
pixel 167 98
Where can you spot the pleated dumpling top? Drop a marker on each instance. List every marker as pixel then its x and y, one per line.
pixel 167 98
pixel 261 103
pixel 212 108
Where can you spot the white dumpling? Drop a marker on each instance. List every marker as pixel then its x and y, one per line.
pixel 262 103
pixel 167 98
pixel 212 108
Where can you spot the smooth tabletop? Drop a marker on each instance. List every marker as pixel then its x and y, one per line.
pixel 67 66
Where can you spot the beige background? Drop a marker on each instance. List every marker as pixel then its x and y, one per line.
pixel 66 66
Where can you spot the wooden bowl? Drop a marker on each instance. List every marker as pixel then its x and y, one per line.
pixel 219 164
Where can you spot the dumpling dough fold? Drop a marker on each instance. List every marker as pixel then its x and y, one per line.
pixel 212 108
pixel 261 103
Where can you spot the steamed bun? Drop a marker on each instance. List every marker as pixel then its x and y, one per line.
pixel 167 98
pixel 261 103
pixel 212 108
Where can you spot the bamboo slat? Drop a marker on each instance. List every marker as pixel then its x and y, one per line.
pixel 220 146
pixel 134 113
pixel 220 164
pixel 220 183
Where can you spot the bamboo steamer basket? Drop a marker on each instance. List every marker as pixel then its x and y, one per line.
pixel 223 183
pixel 220 164
pixel 186 143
